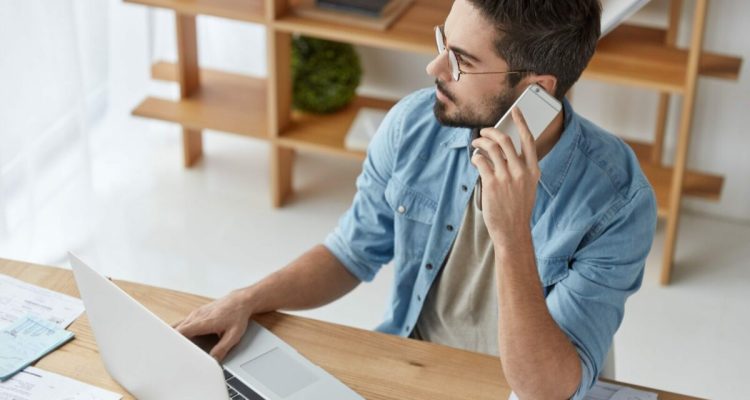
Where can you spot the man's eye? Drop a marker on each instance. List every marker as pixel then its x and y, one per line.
pixel 462 61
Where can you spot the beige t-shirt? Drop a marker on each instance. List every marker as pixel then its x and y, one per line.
pixel 461 307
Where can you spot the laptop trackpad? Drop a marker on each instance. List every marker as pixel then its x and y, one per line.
pixel 279 372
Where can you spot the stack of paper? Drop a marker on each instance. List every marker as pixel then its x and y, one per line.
pixel 611 391
pixel 26 341
pixel 364 127
pixel 32 323
pixel 18 299
pixel 38 384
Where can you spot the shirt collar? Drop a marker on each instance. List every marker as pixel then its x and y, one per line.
pixel 458 139
pixel 554 166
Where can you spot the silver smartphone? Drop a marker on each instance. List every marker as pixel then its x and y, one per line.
pixel 538 107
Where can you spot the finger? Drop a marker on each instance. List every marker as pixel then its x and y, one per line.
pixel 528 148
pixel 230 338
pixel 506 144
pixel 193 329
pixel 177 324
pixel 483 165
pixel 494 152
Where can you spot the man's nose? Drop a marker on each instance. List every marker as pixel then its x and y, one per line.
pixel 437 68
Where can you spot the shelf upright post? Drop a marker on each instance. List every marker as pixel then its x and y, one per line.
pixel 188 75
pixel 683 138
pixel 657 152
pixel 279 48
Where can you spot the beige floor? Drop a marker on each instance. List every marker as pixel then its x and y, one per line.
pixel 125 204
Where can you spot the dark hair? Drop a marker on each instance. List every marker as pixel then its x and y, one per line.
pixel 546 37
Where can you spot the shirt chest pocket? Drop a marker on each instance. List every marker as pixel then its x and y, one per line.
pixel 414 214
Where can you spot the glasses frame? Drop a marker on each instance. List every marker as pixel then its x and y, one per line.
pixel 456 71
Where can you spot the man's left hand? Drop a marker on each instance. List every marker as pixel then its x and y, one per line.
pixel 508 188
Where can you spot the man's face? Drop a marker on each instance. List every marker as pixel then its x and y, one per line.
pixel 475 100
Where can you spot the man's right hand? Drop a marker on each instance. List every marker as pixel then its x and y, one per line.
pixel 227 317
pixel 314 279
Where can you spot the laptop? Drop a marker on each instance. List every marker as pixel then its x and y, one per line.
pixel 155 362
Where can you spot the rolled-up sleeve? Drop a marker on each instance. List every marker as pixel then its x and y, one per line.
pixel 364 239
pixel 589 303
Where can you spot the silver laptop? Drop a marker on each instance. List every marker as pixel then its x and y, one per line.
pixel 153 361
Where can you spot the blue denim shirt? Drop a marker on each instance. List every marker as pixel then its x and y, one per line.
pixel 592 224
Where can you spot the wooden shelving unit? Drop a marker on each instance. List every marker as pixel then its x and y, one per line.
pixel 639 56
pixel 241 10
pixel 696 184
pixel 325 133
pixel 224 102
pixel 413 31
pixel 261 108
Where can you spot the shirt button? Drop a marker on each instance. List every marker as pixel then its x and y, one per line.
pixel 449 228
pixel 407 328
pixel 464 188
pixel 428 266
pixel 419 298
pixel 401 209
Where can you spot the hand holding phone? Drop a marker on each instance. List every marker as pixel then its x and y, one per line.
pixel 538 108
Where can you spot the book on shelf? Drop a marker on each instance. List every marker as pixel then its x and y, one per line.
pixel 363 128
pixel 349 13
pixel 373 8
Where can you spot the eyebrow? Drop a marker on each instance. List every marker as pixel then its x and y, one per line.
pixel 459 50
pixel 464 53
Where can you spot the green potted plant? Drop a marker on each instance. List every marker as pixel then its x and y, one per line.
pixel 325 74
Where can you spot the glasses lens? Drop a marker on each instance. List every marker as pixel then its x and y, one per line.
pixel 439 40
pixel 455 72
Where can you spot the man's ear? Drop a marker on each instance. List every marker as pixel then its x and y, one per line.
pixel 547 82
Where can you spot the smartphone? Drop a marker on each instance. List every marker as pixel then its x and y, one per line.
pixel 538 107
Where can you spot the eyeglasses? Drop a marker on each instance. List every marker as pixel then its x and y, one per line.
pixel 453 59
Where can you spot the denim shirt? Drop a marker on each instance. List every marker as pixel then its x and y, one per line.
pixel 592 224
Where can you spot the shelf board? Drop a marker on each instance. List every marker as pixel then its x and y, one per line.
pixel 632 55
pixel 242 10
pixel 225 102
pixel 695 184
pixel 326 133
pixel 636 55
pixel 413 31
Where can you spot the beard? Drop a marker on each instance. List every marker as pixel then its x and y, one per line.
pixel 486 114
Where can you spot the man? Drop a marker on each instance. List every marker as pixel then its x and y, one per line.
pixel 539 269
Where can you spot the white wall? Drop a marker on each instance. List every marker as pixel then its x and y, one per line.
pixel 719 139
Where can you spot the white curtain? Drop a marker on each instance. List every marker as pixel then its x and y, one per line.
pixel 53 87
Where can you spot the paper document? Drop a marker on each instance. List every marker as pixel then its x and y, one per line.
pixel 611 391
pixel 608 391
pixel 363 128
pixel 18 298
pixel 26 341
pixel 38 384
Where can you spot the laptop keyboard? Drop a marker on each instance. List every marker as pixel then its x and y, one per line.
pixel 238 390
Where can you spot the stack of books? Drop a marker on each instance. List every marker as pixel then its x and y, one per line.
pixel 371 8
pixel 373 14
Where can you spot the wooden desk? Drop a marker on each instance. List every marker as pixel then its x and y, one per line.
pixel 376 365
